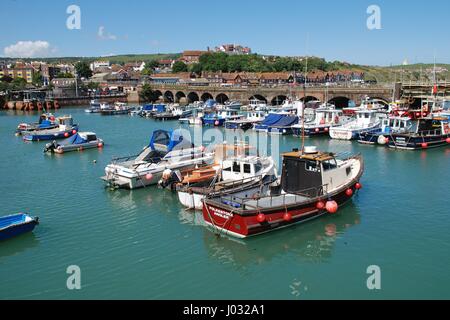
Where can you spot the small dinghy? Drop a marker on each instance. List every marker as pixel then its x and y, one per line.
pixel 17 224
pixel 77 142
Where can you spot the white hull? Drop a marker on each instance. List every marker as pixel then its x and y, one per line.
pixel 343 133
pixel 191 201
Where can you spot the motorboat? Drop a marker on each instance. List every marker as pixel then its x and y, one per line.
pixel 313 184
pixel 381 136
pixel 252 118
pixel 95 107
pixel 117 109
pixel 16 224
pixel 78 142
pixel 366 104
pixel 218 119
pixel 65 129
pixel 167 150
pixel 366 120
pixel 46 121
pixel 234 169
pixel 324 118
pixel 431 132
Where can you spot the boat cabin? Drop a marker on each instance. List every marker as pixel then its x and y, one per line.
pixel 88 136
pixel 65 121
pixel 312 173
pixel 365 118
pixel 396 124
pixel 327 116
pixel 428 126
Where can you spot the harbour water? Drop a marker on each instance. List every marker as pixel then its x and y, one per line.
pixel 142 244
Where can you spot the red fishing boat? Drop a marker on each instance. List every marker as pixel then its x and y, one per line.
pixel 313 184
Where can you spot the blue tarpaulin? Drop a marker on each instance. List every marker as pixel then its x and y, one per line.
pixel 75 139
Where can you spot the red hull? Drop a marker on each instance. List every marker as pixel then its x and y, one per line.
pixel 242 226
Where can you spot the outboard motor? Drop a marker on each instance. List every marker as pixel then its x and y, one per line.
pixel 50 147
pixel 169 179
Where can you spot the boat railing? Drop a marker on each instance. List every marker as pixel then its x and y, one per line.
pixel 244 203
pixel 435 132
pixel 232 184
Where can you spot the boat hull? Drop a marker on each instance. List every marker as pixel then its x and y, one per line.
pixel 408 142
pixel 243 226
pixel 51 135
pixel 17 228
pixel 342 133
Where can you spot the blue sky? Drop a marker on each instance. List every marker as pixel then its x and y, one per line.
pixel 336 30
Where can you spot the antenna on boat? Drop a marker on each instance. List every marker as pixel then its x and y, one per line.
pixel 304 96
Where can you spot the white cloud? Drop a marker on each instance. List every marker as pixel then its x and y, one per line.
pixel 103 35
pixel 28 49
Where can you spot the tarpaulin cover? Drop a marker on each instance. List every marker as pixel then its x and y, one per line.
pixel 286 121
pixel 271 119
pixel 75 139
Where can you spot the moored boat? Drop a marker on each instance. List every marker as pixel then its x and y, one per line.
pixel 235 173
pixel 312 184
pixel 65 129
pixel 389 126
pixel 366 120
pixel 17 224
pixel 78 142
pixel 167 150
pixel 46 121
pixel 426 133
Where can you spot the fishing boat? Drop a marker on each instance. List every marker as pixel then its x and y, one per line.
pixel 65 129
pixel 366 104
pixel 167 150
pixel 118 108
pixel 78 142
pixel 389 126
pixel 366 120
pixel 426 133
pixel 252 118
pixel 17 224
pixel 218 119
pixel 325 117
pixel 257 105
pixel 95 107
pixel 313 184
pixel 46 121
pixel 236 172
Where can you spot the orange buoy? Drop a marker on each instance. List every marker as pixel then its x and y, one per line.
pixel 332 207
pixel 349 192
pixel 320 205
pixel 287 217
pixel 149 176
pixel 448 140
pixel 66 134
pixel 358 186
pixel 424 145
pixel 100 145
pixel 261 218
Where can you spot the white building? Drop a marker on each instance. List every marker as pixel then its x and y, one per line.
pixel 99 64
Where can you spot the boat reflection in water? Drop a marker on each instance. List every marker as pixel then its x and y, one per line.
pixel 311 242
pixel 19 245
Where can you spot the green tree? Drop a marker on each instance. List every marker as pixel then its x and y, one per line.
pixel 83 70
pixel 179 66
pixel 147 94
pixel 37 79
pixel 150 67
pixel 18 84
pixel 93 85
pixel 196 68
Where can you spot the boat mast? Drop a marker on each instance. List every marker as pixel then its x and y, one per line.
pixel 304 104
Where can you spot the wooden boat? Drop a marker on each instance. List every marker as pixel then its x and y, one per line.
pixel 313 184
pixel 17 224
pixel 238 171
pixel 78 142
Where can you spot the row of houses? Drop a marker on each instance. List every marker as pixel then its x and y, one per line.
pixel 256 79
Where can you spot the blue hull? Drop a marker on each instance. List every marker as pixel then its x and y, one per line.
pixel 16 227
pixel 310 132
pixel 404 141
pixel 54 136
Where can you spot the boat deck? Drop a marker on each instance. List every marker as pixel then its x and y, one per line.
pixel 275 201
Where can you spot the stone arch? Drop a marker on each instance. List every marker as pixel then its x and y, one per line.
pixel 192 97
pixel 309 99
pixel 278 100
pixel 222 98
pixel 179 95
pixel 159 95
pixel 259 97
pixel 168 96
pixel 206 96
pixel 340 102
